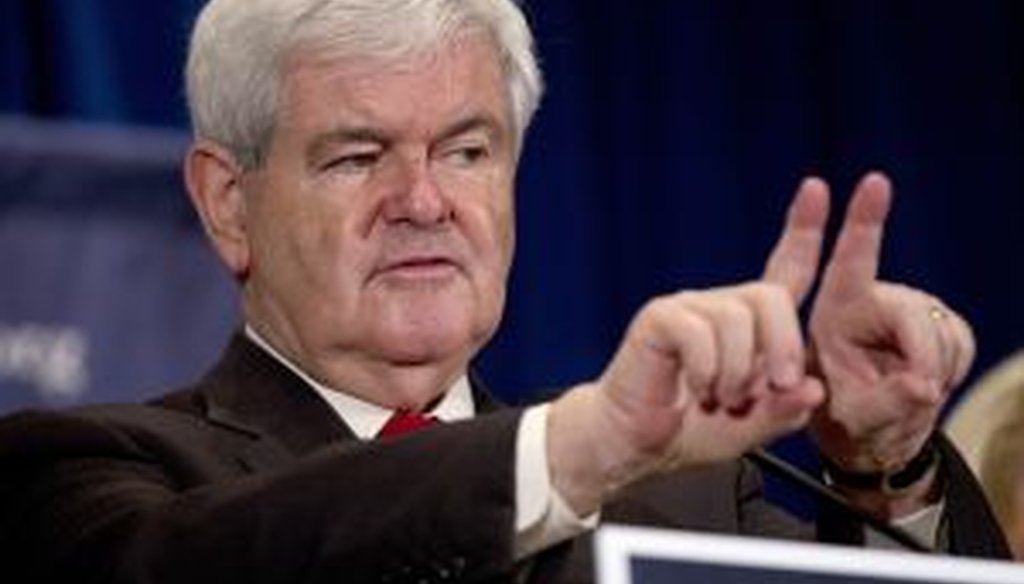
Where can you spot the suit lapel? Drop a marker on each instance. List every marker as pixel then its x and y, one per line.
pixel 252 392
pixel 483 400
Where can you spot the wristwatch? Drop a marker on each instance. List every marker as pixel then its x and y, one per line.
pixel 892 481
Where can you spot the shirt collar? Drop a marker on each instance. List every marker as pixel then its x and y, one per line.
pixel 365 419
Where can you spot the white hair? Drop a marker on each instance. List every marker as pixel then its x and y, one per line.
pixel 240 49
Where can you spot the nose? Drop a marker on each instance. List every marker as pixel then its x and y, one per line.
pixel 417 199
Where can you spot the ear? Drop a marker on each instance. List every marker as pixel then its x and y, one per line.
pixel 213 179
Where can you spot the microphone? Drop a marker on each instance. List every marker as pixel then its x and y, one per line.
pixel 772 464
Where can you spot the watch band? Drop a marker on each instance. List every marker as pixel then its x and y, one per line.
pixel 888 482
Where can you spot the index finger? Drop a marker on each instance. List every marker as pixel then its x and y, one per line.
pixel 855 258
pixel 793 262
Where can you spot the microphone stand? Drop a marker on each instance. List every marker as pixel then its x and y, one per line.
pixel 779 467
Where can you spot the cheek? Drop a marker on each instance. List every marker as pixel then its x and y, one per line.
pixel 340 253
pixel 507 241
pixel 492 233
pixel 312 242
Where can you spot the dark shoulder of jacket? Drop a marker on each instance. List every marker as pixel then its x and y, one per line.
pixel 144 433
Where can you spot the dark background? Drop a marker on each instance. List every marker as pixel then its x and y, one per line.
pixel 670 141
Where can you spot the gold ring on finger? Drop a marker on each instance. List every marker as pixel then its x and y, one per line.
pixel 937 313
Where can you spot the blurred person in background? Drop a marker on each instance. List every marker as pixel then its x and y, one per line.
pixel 987 426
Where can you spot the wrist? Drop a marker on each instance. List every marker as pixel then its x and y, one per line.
pixel 893 492
pixel 577 467
pixel 589 459
pixel 891 481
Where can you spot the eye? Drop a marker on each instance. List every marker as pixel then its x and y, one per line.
pixel 468 155
pixel 352 163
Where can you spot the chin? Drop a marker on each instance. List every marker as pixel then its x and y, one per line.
pixel 432 332
pixel 415 346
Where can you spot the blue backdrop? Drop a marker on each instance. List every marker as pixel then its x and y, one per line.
pixel 670 141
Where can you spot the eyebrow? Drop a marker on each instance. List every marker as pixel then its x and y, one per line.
pixel 480 121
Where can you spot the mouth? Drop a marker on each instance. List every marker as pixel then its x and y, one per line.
pixel 419 268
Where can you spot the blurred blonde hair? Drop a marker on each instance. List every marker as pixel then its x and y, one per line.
pixel 988 428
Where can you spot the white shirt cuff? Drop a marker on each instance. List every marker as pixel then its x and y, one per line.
pixel 543 518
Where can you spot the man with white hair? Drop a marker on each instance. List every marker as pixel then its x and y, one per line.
pixel 353 165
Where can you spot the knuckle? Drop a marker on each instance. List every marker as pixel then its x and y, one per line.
pixel 734 313
pixel 768 291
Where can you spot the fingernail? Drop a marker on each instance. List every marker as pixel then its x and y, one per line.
pixel 741 409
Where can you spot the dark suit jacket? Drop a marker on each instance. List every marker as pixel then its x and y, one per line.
pixel 250 477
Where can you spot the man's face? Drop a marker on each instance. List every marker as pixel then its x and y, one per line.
pixel 381 224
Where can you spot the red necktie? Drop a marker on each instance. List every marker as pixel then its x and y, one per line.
pixel 404 421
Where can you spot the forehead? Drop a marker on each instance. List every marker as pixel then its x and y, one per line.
pixel 458 78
